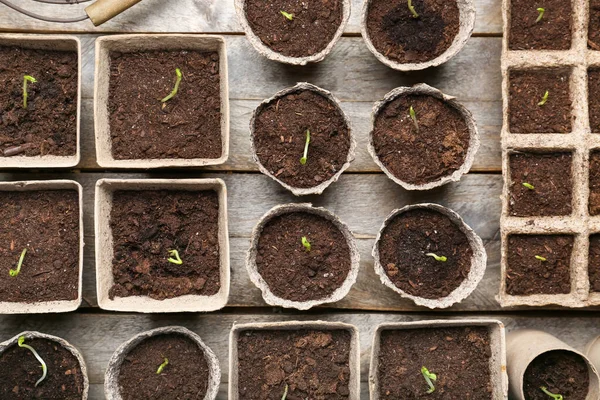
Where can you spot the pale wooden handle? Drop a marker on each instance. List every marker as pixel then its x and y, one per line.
pixel 103 10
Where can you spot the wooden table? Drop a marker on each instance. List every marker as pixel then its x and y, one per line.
pixel 362 198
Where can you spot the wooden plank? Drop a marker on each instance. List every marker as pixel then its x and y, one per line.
pixel 361 200
pixel 189 16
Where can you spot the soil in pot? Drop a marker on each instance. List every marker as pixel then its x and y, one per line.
pixel 280 131
pixel 560 372
pixel 46 223
pixel 184 377
pixel 20 370
pixel 538 264
pixel 399 36
pixel 594 98
pixel 433 147
pixel 48 126
pixel 295 28
pixel 541 184
pixel 594 263
pixel 459 356
pixel 594 27
pixel 313 364
pixel 594 202
pixel 147 225
pixel 552 32
pixel 408 249
pixel 186 126
pixel 289 269
pixel 530 110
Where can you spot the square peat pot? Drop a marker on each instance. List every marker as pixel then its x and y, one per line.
pixel 498 379
pixel 160 115
pixel 47 267
pixel 18 157
pixel 106 189
pixel 276 374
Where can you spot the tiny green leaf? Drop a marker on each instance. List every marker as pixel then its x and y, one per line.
pixel 529 186
pixel 541 12
pixel 285 392
pixel 437 258
pixel 162 366
pixel 26 78
pixel 552 395
pixel 544 99
pixel 15 272
pixel 306 243
pixel 413 116
pixel 176 88
pixel 175 259
pixel 412 9
pixel 429 378
pixel 542 259
pixel 287 15
pixel 21 343
pixel 304 158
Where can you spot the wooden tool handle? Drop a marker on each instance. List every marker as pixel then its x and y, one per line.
pixel 103 10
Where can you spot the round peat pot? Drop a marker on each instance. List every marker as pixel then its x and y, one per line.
pixel 406 144
pixel 142 343
pixel 305 34
pixel 405 43
pixel 531 352
pixel 420 243
pixel 62 362
pixel 302 139
pixel 302 256
pixel 592 351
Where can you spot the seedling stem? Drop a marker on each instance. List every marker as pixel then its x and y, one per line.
pixel 21 343
pixel 412 9
pixel 162 366
pixel 306 243
pixel 541 12
pixel 26 78
pixel 413 116
pixel 304 159
pixel 437 258
pixel 554 396
pixel 176 88
pixel 175 259
pixel 529 186
pixel 287 15
pixel 15 272
pixel 429 378
pixel 285 392
pixel 544 99
pixel 540 258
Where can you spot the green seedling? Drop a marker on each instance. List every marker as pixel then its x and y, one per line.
pixel 287 15
pixel 540 258
pixel 544 99
pixel 306 243
pixel 26 78
pixel 541 12
pixel 437 258
pixel 529 186
pixel 429 378
pixel 552 395
pixel 304 158
pixel 413 116
pixel 15 272
pixel 175 89
pixel 285 392
pixel 412 9
pixel 175 259
pixel 162 366
pixel 21 343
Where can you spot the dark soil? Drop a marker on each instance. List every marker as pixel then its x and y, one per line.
pixel 292 272
pixel 560 372
pixel 313 364
pixel 594 99
pixel 594 28
pixel 459 356
pixel 594 263
pixel 594 201
pixel 189 125
pixel 48 126
pixel 280 137
pixel 312 28
pixel 551 177
pixel 553 32
pixel 47 224
pixel 436 150
pixel 404 245
pixel 527 90
pixel 526 275
pixel 399 36
pixel 147 225
pixel 185 377
pixel 20 370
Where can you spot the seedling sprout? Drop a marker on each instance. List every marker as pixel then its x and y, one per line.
pixel 306 243
pixel 304 158
pixel 175 259
pixel 552 395
pixel 26 78
pixel 162 366
pixel 285 392
pixel 175 89
pixel 413 116
pixel 544 99
pixel 412 9
pixel 15 272
pixel 21 343
pixel 429 378
pixel 437 258
pixel 529 186
pixel 287 15
pixel 540 258
pixel 541 12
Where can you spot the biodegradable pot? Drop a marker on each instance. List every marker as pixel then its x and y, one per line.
pixel 524 345
pixel 38 335
pixel 111 377
pixel 354 364
pixel 266 51
pixel 105 252
pixel 592 351
pixel 478 261
pixel 44 307
pixel 153 42
pixel 467 24
pixel 499 379
pixel 50 43
pixel 351 152
pixel 269 297
pixel 426 90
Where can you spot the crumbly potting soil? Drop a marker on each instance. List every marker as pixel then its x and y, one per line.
pixel 552 32
pixel 594 99
pixel 594 200
pixel 594 25
pixel 594 263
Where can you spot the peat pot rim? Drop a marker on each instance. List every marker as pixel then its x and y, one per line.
pixel 302 86
pixel 266 51
pixel 426 90
pixel 274 300
pixel 466 26
pixel 111 377
pixel 68 346
pixel 478 261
